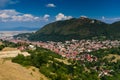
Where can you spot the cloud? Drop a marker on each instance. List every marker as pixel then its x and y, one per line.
pixel 14 16
pixel 46 17
pixel 4 3
pixel 61 16
pixel 83 16
pixel 51 5
pixel 110 20
pixel 103 17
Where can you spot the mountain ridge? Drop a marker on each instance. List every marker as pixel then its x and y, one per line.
pixel 81 28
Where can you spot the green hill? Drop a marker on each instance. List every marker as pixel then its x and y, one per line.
pixel 81 28
pixel 114 30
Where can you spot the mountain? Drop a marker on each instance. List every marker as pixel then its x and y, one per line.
pixel 114 30
pixel 81 28
pixel 71 29
pixel 20 29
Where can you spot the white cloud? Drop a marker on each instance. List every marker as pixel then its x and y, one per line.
pixel 46 17
pixel 51 5
pixel 61 16
pixel 12 15
pixel 110 20
pixel 83 16
pixel 103 17
pixel 24 17
pixel 3 3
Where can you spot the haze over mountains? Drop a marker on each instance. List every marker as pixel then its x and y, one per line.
pixel 81 28
pixel 21 28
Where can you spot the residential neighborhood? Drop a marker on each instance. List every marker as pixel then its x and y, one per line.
pixel 72 49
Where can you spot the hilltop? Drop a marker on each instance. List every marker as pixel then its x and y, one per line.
pixel 81 28
pixel 71 29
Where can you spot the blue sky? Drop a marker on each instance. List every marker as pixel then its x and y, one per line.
pixel 36 13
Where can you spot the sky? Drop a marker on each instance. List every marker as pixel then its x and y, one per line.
pixel 37 13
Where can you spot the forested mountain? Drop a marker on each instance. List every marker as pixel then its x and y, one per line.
pixel 81 28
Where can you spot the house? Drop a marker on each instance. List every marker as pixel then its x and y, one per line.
pixel 31 47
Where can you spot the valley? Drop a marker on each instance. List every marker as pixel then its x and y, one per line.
pixel 59 40
pixel 7 35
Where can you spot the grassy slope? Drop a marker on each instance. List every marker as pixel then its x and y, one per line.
pixel 13 71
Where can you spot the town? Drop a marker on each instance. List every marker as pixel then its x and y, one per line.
pixel 76 50
pixel 72 49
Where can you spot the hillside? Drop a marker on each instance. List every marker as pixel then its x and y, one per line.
pixel 13 71
pixel 81 28
pixel 71 29
pixel 114 30
pixel 55 67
